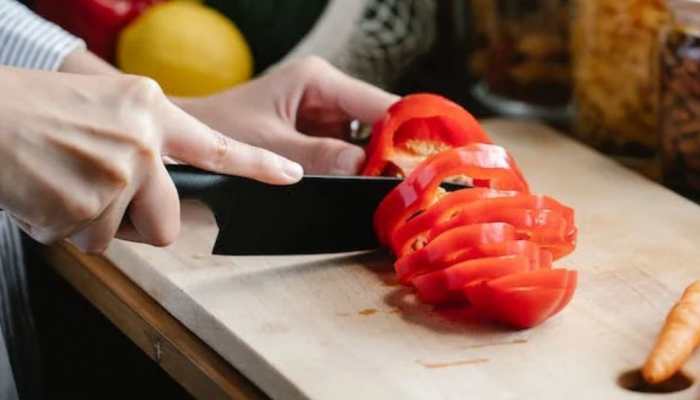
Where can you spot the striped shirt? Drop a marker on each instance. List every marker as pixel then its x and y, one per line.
pixel 28 41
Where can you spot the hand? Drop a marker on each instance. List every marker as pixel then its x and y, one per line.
pixel 306 95
pixel 80 152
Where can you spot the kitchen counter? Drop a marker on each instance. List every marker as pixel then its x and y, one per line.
pixel 337 326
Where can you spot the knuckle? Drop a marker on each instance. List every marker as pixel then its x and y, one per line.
pixel 145 151
pixel 222 150
pixel 72 209
pixel 312 66
pixel 120 178
pixel 83 210
pixel 144 90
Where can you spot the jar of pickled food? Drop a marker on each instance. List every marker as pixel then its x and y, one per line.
pixel 522 56
pixel 680 98
pixel 615 67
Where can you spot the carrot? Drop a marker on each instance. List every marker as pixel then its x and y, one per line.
pixel 679 336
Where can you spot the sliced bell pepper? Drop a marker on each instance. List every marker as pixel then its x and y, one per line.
pixel 536 257
pixel 415 127
pixel 487 165
pixel 454 246
pixel 446 285
pixel 537 218
pixel 489 248
pixel 407 237
pixel 525 299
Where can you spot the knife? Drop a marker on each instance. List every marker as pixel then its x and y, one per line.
pixel 319 214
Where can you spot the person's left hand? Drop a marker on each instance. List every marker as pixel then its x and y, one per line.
pixel 300 110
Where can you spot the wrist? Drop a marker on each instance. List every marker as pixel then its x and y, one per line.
pixel 84 62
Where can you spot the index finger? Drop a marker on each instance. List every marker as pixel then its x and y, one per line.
pixel 191 141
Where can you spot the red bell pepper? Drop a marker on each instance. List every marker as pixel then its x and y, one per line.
pixel 487 165
pixel 412 235
pixel 489 247
pixel 454 246
pixel 98 22
pixel 537 218
pixel 416 127
pixel 447 285
pixel 525 299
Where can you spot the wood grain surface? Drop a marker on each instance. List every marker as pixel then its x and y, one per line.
pixel 338 327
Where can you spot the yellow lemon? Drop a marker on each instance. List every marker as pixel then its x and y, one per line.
pixel 188 48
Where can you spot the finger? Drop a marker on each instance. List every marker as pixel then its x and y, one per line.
pixel 320 155
pixel 322 123
pixel 154 210
pixel 96 236
pixel 127 231
pixel 358 99
pixel 192 142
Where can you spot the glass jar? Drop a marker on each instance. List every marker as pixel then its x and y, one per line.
pixel 522 56
pixel 615 68
pixel 680 98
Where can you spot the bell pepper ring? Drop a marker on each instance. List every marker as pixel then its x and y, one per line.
pixel 447 285
pixel 524 299
pixel 416 126
pixel 486 165
pixel 405 237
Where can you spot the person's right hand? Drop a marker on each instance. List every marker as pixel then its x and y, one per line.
pixel 78 153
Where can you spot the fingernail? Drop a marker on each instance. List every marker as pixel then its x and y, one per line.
pixel 349 160
pixel 293 170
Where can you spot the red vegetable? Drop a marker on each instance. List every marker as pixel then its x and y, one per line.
pixel 447 284
pixel 489 247
pixel 415 127
pixel 486 164
pixel 98 22
pixel 523 299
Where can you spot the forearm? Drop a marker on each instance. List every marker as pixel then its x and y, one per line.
pixel 82 61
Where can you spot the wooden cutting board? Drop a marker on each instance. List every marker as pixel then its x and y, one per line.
pixel 337 327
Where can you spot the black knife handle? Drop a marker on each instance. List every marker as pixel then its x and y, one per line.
pixel 194 183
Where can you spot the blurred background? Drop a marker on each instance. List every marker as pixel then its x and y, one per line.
pixel 622 76
pixel 589 67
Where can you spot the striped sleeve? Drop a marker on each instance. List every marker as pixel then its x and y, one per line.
pixel 28 41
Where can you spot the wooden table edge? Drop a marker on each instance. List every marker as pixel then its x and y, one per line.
pixel 179 352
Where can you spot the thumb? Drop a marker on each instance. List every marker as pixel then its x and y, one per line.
pixel 322 155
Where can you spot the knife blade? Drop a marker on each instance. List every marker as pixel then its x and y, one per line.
pixel 319 214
